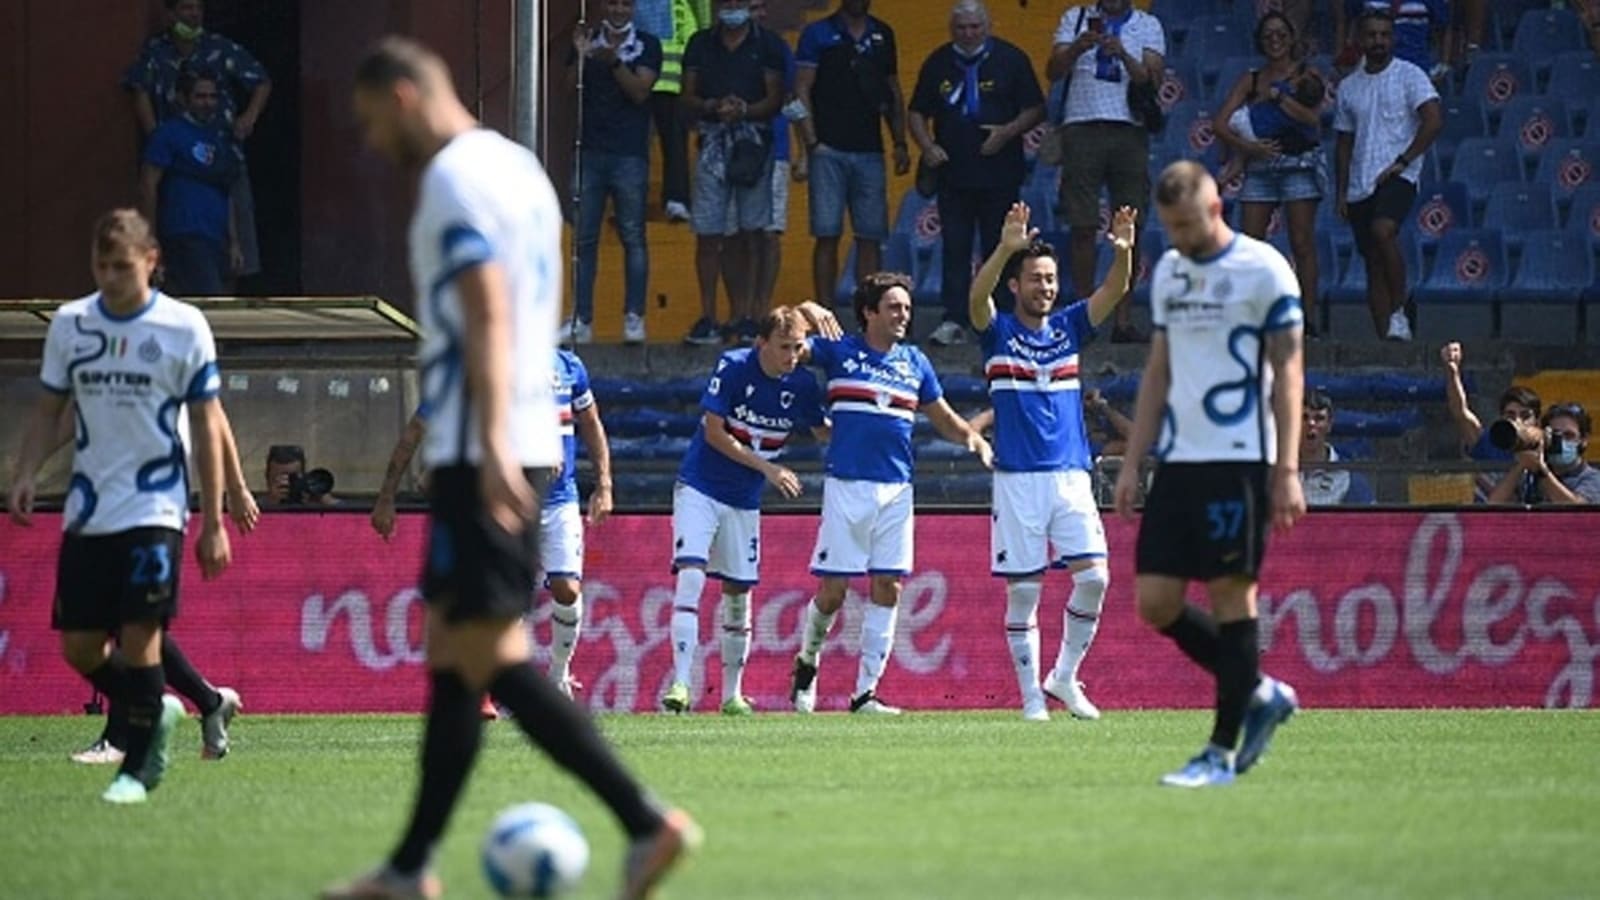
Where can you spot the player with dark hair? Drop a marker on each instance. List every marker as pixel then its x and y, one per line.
pixel 131 360
pixel 755 399
pixel 1222 387
pixel 1043 497
pixel 876 385
pixel 485 248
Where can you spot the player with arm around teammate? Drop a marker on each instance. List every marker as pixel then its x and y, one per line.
pixel 132 360
pixel 1043 496
pixel 1223 385
pixel 756 397
pixel 875 386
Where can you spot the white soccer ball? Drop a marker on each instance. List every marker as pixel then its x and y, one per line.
pixel 534 850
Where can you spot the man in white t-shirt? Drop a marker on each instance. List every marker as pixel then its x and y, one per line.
pixel 1388 116
pixel 485 250
pixel 1102 48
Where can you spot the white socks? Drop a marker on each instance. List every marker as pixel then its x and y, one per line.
pixel 1022 634
pixel 814 631
pixel 686 622
pixel 877 638
pixel 735 643
pixel 565 623
pixel 1081 619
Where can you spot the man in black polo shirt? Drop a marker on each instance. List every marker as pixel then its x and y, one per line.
pixel 732 85
pixel 980 96
pixel 848 81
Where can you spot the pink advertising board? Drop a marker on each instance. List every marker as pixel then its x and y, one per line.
pixel 1360 609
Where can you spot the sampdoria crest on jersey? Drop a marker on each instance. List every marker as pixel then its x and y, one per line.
pixel 786 399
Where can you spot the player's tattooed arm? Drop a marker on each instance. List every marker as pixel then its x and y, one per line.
pixel 593 434
pixel 1153 387
pixel 383 511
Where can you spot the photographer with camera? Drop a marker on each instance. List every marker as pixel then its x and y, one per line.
pixel 288 482
pixel 1549 467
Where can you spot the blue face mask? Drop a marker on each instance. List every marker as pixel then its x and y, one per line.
pixel 1567 456
pixel 734 18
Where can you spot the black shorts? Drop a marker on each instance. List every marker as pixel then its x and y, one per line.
pixel 106 580
pixel 1204 521
pixel 474 568
pixel 1392 200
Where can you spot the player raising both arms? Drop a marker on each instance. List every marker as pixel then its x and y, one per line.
pixel 1223 386
pixel 1043 499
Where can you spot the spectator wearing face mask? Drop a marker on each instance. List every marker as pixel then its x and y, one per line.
pixel 1549 468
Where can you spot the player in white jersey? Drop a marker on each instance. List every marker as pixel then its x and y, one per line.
pixel 485 246
pixel 560 521
pixel 1222 387
pixel 876 384
pixel 1043 498
pixel 131 360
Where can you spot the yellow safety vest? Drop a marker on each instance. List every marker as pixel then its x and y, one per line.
pixel 688 16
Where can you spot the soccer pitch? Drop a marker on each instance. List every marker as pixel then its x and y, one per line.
pixel 958 805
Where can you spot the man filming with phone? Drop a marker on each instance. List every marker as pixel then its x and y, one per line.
pixel 1548 467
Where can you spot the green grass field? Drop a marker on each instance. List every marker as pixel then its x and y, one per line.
pixel 1348 804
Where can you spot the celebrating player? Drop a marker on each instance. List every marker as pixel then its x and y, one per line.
pixel 1228 326
pixel 485 246
pixel 875 387
pixel 132 360
pixel 756 397
pixel 1043 500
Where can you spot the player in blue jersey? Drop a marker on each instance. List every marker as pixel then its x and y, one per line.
pixel 876 385
pixel 141 370
pixel 1044 509
pixel 1223 388
pixel 755 399
pixel 560 521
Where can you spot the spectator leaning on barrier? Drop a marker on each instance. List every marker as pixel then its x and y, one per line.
pixel 1388 116
pixel 733 85
pixel 1549 466
pixel 153 81
pixel 673 21
pixel 184 187
pixel 619 65
pixel 975 98
pixel 1326 486
pixel 1103 49
pixel 848 81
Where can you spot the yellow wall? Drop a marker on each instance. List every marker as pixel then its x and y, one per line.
pixel 920 26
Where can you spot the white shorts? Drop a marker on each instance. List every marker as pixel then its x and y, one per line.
pixel 561 542
pixel 866 529
pixel 1043 520
pixel 724 539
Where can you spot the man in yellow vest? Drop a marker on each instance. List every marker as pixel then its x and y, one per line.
pixel 672 21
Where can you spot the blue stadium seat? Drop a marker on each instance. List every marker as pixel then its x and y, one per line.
pixel 1377 387
pixel 1494 78
pixel 1531 122
pixel 913 208
pixel 896 253
pixel 1575 78
pixel 1392 423
pixel 1152 243
pixel 648 422
pixel 1583 213
pixel 1327 266
pixel 610 392
pixel 1352 287
pixel 1568 164
pixel 962 388
pixel 1463 118
pixel 1506 15
pixel 1542 34
pixel 1180 82
pixel 688 391
pixel 1440 208
pixel 1482 163
pixel 1557 269
pixel 1470 266
pixel 1214 38
pixel 1515 208
pixel 1189 134
pixel 1230 71
pixel 645 449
